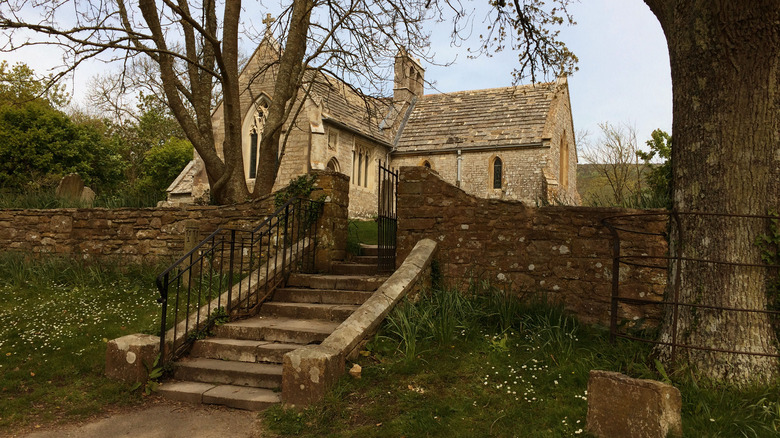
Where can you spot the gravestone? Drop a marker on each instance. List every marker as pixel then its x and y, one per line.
pixel 70 187
pixel 87 196
pixel 620 406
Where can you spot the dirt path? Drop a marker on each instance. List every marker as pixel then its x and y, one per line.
pixel 161 420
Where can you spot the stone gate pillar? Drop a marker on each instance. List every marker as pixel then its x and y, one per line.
pixel 332 224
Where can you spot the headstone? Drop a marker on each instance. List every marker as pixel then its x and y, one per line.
pixel 191 233
pixel 620 406
pixel 87 196
pixel 70 187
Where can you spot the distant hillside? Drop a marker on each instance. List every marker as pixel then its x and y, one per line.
pixel 593 187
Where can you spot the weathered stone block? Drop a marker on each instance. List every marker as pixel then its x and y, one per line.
pixel 128 357
pixel 619 406
pixel 308 373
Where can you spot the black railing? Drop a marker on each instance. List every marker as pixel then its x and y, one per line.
pixel 387 218
pixel 231 272
pixel 673 302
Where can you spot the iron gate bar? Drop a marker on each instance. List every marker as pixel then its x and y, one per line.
pixel 387 218
pixel 618 259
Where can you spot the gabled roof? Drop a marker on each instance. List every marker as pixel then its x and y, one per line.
pixel 478 118
pixel 343 105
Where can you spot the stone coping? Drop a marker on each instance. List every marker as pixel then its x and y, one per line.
pixel 369 315
pixel 310 371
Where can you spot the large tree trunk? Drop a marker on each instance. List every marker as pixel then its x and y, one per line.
pixel 285 89
pixel 231 185
pixel 725 64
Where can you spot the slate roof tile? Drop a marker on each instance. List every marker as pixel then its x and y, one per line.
pixel 497 116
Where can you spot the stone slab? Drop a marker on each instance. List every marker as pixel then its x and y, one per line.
pixel 620 406
pixel 324 296
pixel 229 372
pixel 190 392
pixel 277 329
pixel 329 312
pixel 238 397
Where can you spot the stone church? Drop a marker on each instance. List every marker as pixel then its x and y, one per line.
pixel 514 143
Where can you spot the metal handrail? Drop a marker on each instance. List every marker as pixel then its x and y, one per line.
pixel 232 271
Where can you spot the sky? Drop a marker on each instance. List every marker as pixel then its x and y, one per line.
pixel 623 75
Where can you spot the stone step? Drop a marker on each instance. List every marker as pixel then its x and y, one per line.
pixel 278 329
pixel 323 296
pixel 354 268
pixel 258 375
pixel 241 350
pixel 340 282
pixel 364 259
pixel 328 312
pixel 237 397
pixel 369 250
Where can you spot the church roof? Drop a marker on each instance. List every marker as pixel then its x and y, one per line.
pixel 478 118
pixel 343 105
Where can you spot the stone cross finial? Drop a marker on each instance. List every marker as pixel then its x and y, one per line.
pixel 268 21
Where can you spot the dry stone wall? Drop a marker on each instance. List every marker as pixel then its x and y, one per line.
pixel 564 252
pixel 136 234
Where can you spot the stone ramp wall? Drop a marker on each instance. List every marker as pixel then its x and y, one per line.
pixel 564 252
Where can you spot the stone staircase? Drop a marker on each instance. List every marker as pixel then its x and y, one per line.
pixel 241 365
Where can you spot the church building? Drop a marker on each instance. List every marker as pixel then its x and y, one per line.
pixel 513 143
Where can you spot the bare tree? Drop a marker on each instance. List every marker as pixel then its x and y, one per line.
pixel 194 47
pixel 614 156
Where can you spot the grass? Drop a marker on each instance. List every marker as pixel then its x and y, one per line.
pixel 424 375
pixel 56 316
pixel 360 232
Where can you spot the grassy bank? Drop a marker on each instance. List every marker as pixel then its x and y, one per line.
pixel 455 366
pixel 56 316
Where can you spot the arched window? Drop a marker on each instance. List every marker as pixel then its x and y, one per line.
pixel 365 175
pixel 426 164
pixel 255 134
pixel 359 168
pixel 333 165
pixel 353 167
pixel 497 173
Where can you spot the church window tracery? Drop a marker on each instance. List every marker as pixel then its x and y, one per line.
pixel 255 134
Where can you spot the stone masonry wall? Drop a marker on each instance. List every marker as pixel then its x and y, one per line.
pixel 522 171
pixel 137 234
pixel 564 252
pixel 133 233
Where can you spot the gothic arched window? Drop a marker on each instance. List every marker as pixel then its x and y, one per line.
pixel 255 134
pixel 497 172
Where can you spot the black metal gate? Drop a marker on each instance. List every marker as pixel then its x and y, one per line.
pixel 387 218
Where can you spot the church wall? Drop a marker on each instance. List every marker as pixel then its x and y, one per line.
pixel 521 169
pixel 560 125
pixel 564 253
pixel 296 159
pixel 363 197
